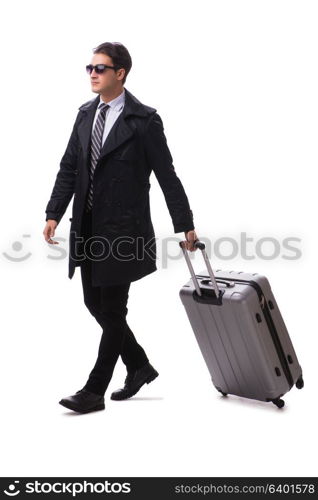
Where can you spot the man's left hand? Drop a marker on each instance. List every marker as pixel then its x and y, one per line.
pixel 191 236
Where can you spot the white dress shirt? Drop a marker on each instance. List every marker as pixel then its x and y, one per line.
pixel 112 113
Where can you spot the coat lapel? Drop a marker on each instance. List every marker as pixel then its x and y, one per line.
pixel 121 131
pixel 85 126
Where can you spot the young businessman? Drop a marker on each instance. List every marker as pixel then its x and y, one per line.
pixel 116 143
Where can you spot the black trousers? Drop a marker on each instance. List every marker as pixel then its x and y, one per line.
pixel 108 305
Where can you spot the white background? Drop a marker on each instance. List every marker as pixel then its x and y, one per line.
pixel 235 83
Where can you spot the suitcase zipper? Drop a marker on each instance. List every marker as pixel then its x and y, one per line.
pixel 270 324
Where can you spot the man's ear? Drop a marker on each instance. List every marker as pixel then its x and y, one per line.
pixel 121 73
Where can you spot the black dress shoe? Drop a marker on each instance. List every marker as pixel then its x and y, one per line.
pixel 134 381
pixel 84 401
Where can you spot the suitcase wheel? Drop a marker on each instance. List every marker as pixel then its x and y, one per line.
pixel 300 383
pixel 223 393
pixel 279 402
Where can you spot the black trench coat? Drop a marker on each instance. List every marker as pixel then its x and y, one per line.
pixel 125 243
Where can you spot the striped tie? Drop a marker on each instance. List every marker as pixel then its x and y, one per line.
pixel 96 146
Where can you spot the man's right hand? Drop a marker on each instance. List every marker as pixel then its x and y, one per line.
pixel 49 231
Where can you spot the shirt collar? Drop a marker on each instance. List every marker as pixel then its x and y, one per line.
pixel 117 103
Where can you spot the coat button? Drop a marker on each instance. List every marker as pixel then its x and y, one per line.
pixel 76 172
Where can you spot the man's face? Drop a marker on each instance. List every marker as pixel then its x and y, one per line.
pixel 108 81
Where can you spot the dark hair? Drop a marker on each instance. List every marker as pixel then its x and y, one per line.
pixel 119 54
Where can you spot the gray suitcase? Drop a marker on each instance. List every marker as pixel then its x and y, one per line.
pixel 241 333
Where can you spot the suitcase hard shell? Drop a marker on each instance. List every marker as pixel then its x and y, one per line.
pixel 241 333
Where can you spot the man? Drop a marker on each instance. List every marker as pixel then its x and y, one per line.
pixel 115 144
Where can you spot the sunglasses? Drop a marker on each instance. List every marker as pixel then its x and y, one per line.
pixel 99 68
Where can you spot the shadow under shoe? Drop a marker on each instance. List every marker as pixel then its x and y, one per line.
pixel 134 382
pixel 84 402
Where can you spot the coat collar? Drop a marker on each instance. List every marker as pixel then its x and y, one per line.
pixel 132 106
pixel 121 130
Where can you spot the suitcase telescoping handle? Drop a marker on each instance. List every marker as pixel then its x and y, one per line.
pixel 199 244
